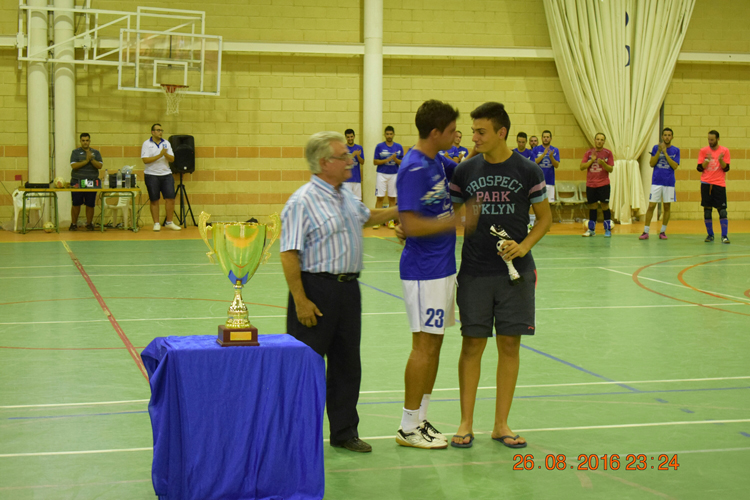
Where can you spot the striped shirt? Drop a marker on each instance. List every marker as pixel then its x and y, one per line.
pixel 325 225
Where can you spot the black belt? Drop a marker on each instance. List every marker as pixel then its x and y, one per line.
pixel 341 278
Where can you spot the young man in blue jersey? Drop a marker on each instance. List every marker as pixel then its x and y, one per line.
pixel 522 149
pixel 428 266
pixel 457 153
pixel 665 159
pixel 354 183
pixel 547 156
pixel 533 142
pixel 502 186
pixel 388 156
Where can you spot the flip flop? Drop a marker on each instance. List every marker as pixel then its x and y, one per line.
pixel 517 445
pixel 463 445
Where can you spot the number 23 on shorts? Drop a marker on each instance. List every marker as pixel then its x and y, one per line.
pixel 435 318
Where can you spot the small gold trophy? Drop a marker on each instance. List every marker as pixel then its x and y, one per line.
pixel 239 247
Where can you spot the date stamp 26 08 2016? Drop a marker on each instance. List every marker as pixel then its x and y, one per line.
pixel 594 462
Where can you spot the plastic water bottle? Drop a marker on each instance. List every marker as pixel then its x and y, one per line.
pixel 119 179
pixel 105 184
pixel 127 180
pixel 135 180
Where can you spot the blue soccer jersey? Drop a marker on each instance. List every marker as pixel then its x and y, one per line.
pixel 448 165
pixel 526 153
pixel 663 173
pixel 383 151
pixel 546 164
pixel 356 177
pixel 455 152
pixel 422 189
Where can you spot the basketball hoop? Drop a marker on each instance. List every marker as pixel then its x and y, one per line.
pixel 173 94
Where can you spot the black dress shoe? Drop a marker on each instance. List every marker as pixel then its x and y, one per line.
pixel 354 444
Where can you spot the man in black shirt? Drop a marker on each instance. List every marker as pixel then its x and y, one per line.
pixel 85 163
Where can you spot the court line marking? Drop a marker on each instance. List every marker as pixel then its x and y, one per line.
pixel 374 438
pixel 578 384
pixel 678 285
pixel 396 313
pixel 72 485
pixel 676 380
pixel 118 329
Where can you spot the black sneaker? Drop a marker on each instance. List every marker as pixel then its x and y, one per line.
pixel 73 227
pixel 354 444
pixel 709 238
pixel 90 226
pixel 725 240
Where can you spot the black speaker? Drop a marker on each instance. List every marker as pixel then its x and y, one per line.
pixel 183 147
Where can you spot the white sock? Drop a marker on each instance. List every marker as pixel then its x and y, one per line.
pixel 410 420
pixel 423 407
pixel 663 228
pixel 645 229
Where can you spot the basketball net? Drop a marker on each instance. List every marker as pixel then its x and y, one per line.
pixel 173 94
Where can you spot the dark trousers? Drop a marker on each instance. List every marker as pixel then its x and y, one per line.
pixel 337 337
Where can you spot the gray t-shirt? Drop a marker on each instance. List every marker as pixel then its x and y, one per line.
pixel 87 171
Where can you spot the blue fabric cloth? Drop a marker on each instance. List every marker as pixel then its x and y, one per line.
pixel 236 422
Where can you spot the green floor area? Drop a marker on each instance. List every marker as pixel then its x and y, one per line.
pixel 641 348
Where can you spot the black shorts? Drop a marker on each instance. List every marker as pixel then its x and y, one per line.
pixel 80 198
pixel 600 194
pixel 487 300
pixel 713 196
pixel 159 184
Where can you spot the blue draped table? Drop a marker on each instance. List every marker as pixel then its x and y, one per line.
pixel 236 422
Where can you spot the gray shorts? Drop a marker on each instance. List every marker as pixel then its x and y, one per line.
pixel 487 300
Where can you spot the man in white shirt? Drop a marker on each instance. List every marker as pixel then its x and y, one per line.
pixel 156 154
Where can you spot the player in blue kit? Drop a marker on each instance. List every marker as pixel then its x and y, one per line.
pixel 547 156
pixel 457 153
pixel 502 187
pixel 388 156
pixel 522 149
pixel 354 183
pixel 428 266
pixel 665 159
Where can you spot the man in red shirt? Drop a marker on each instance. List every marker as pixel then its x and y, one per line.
pixel 598 162
pixel 713 162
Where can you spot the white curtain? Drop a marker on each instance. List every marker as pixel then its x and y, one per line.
pixel 615 59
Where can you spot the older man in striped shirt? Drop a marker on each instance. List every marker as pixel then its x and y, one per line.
pixel 321 253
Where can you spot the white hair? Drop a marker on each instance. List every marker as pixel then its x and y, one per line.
pixel 319 147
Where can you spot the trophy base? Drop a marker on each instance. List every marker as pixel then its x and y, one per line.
pixel 514 282
pixel 237 336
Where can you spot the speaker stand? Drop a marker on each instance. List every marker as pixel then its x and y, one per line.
pixel 182 216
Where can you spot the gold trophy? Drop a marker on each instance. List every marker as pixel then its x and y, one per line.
pixel 240 247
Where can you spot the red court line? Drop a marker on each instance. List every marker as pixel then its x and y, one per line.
pixel 120 332
pixel 682 280
pixel 637 282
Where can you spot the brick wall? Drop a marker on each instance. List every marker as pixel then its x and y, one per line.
pixel 249 140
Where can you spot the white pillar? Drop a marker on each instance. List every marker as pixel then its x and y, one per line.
pixel 37 97
pixel 372 91
pixel 65 101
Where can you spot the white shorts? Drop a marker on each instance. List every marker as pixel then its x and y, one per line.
pixel 385 182
pixel 354 187
pixel 662 194
pixel 430 304
pixel 551 194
